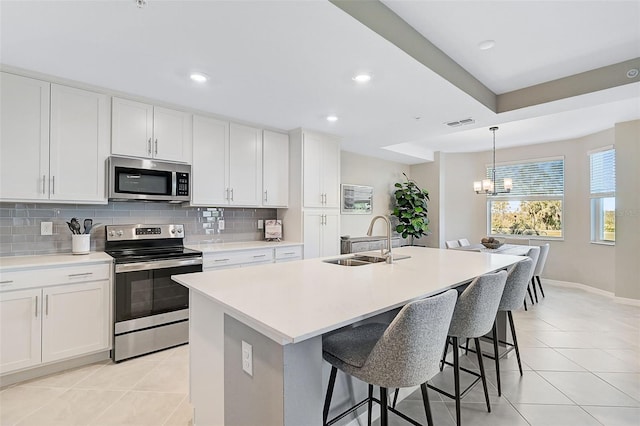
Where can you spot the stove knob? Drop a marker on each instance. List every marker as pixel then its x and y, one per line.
pixel 179 230
pixel 120 233
pixel 112 233
pixel 173 231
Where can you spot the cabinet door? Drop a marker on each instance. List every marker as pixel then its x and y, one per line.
pixel 313 223
pixel 131 128
pixel 79 144
pixel 275 169
pixel 171 135
pixel 19 329
pixel 209 167
pixel 330 234
pixel 312 169
pixel 24 138
pixel 330 174
pixel 75 320
pixel 245 165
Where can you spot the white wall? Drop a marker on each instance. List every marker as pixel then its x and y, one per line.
pixel 381 175
pixel 463 214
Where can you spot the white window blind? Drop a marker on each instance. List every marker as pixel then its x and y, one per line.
pixel 603 173
pixel 539 178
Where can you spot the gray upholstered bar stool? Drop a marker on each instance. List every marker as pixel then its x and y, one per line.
pixel 473 317
pixel 402 354
pixel 514 293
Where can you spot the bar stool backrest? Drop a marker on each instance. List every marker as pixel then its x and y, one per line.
pixel 516 287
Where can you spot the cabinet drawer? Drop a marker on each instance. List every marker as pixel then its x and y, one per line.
pixel 43 277
pixel 237 257
pixel 285 253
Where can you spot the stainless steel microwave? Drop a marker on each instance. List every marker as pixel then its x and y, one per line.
pixel 148 180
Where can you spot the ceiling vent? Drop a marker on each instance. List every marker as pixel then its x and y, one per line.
pixel 462 122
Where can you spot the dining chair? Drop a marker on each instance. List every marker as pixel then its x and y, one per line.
pixel 402 354
pixel 452 244
pixel 534 254
pixel 542 259
pixel 463 242
pixel 473 317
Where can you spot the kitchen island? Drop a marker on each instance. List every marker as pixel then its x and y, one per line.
pixel 282 311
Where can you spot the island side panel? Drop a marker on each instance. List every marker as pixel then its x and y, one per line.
pixel 286 386
pixel 206 360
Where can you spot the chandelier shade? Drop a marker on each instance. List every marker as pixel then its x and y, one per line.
pixel 488 186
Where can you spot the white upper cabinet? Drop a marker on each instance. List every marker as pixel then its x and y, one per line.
pixel 245 165
pixel 24 138
pixel 321 171
pixel 227 164
pixel 275 169
pixel 147 131
pixel 54 142
pixel 209 166
pixel 79 144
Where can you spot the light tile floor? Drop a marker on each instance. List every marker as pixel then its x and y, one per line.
pixel 580 353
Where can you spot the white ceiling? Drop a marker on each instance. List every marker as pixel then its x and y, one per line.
pixel 289 64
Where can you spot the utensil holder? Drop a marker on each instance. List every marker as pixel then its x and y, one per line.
pixel 80 244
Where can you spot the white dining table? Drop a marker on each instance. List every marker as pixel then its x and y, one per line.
pixel 512 249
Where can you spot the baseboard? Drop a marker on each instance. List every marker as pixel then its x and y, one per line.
pixel 35 372
pixel 622 300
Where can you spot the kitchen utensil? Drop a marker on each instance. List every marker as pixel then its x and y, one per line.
pixel 70 227
pixel 88 224
pixel 76 226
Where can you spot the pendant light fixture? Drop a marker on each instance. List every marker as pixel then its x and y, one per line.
pixel 488 186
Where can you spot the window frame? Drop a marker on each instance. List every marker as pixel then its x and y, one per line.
pixel 509 197
pixel 596 202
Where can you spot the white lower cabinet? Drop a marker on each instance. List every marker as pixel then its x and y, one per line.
pixel 321 233
pixel 20 329
pixel 43 324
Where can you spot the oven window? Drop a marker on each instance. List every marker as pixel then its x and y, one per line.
pixel 145 293
pixel 136 181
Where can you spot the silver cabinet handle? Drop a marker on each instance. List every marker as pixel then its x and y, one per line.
pixel 220 260
pixel 53 184
pixel 231 194
pixel 43 181
pixel 84 274
pixel 156 151
pixel 6 282
pixel 36 306
pixel 289 253
pixel 324 198
pixel 259 255
pixel 46 305
pixel 149 147
pixel 265 196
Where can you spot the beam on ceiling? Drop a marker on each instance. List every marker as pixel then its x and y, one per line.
pixel 382 20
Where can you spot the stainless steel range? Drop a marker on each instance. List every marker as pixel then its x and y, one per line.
pixel 151 311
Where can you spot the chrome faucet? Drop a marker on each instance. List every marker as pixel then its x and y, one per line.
pixel 388 256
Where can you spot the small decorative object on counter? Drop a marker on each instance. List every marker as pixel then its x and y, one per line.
pixel 491 243
pixel 81 240
pixel 272 230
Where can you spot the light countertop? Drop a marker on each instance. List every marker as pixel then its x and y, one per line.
pixel 8 263
pixel 208 247
pixel 294 301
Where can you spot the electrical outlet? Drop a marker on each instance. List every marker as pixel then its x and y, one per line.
pixel 260 224
pixel 247 358
pixel 220 225
pixel 46 228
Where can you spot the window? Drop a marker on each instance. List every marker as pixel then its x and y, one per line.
pixel 534 205
pixel 602 165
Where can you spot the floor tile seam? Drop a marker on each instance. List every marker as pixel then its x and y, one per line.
pixel 101 413
pixel 561 405
pixel 602 380
pixel 29 413
pixel 175 410
pixel 556 388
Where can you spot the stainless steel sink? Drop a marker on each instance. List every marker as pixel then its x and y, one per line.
pixel 359 260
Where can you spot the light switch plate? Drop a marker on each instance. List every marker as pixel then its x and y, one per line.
pixel 46 228
pixel 247 358
pixel 260 224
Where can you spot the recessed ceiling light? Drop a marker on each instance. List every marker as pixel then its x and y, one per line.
pixel 332 118
pixel 198 77
pixel 362 78
pixel 486 44
pixel 633 73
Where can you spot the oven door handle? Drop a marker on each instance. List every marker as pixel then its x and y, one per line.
pixel 157 264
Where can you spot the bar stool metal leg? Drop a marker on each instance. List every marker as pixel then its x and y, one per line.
pixel 515 339
pixel 384 417
pixel 497 357
pixel 327 400
pixel 482 375
pixel 427 406
pixel 456 379
pixel 370 405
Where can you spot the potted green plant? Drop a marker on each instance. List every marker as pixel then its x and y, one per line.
pixel 411 210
